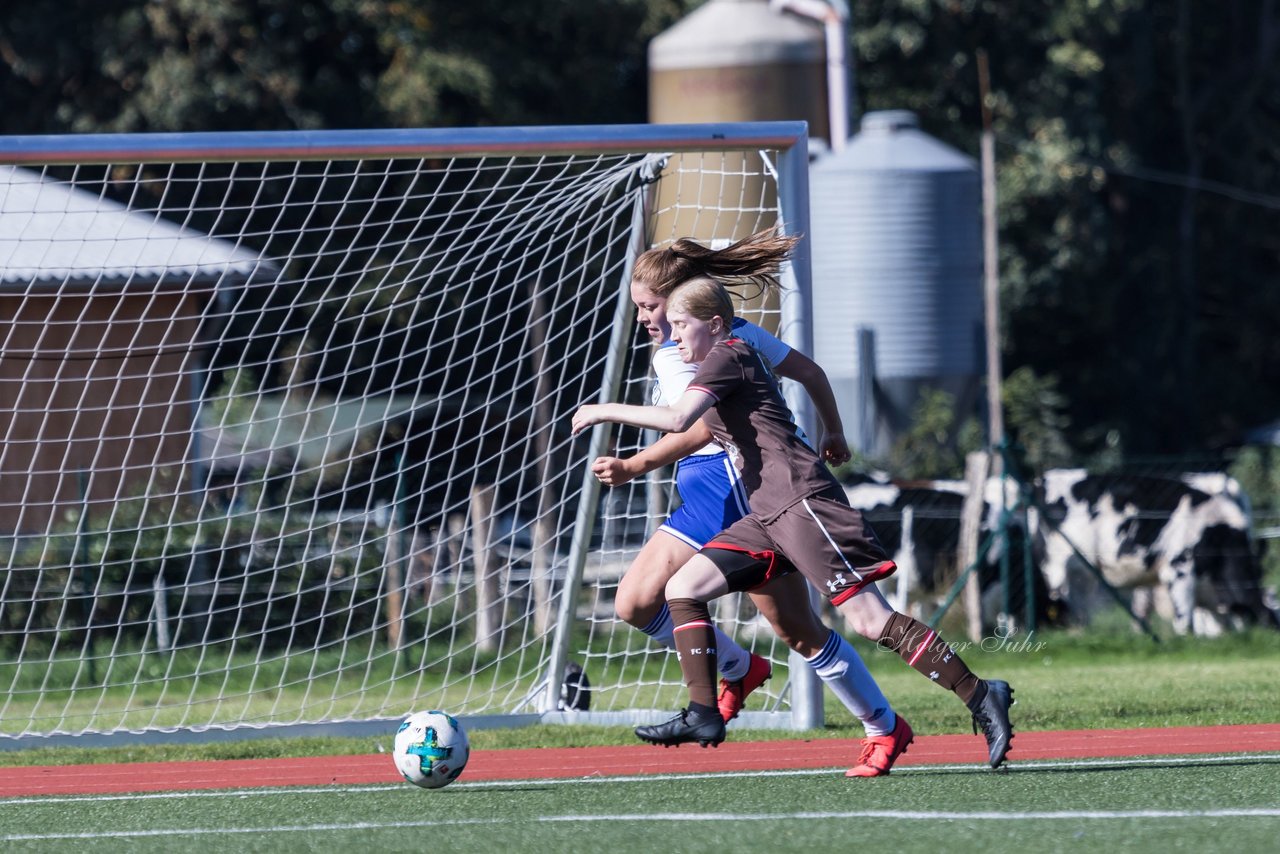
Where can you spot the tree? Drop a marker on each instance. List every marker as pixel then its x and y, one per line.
pixel 1121 275
pixel 124 65
pixel 1138 145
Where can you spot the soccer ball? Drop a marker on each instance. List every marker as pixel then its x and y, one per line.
pixel 431 749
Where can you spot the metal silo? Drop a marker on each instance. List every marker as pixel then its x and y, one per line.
pixel 739 61
pixel 731 61
pixel 897 267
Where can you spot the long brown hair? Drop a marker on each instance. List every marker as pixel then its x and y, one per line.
pixel 754 260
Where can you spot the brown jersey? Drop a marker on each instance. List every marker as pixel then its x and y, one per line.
pixel 751 421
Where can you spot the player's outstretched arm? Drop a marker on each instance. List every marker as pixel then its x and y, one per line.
pixel 677 418
pixel 673 447
pixel 797 366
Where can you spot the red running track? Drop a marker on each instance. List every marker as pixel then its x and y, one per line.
pixel 544 763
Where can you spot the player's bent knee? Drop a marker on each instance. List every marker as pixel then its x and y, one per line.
pixel 866 613
pixel 867 623
pixel 637 605
pixel 624 612
pixel 697 579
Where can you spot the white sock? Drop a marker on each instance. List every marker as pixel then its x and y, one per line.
pixel 840 666
pixel 732 659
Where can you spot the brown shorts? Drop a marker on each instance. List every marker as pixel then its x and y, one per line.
pixel 822 537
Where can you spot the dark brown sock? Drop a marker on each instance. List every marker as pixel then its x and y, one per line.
pixel 696 648
pixel 926 651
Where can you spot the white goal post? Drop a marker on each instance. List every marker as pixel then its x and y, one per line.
pixel 285 416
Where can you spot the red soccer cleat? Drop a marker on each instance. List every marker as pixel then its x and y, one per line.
pixel 733 695
pixel 879 752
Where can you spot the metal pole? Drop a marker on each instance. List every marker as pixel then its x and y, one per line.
pixel 990 266
pixel 835 29
pixel 419 142
pixel 589 495
pixel 797 330
pixel 866 338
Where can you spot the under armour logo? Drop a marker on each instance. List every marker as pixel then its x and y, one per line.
pixel 833 586
pixel 934 676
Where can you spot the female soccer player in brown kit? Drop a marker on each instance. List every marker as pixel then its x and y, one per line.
pixel 800 519
pixel 711 499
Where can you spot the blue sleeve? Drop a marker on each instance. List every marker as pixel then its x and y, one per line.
pixel 773 350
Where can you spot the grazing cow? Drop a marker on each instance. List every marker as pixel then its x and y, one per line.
pixel 1140 532
pixel 931 512
pixel 918 524
pixel 1231 566
pixel 1181 545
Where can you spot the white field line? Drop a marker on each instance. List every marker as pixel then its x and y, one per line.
pixel 899 815
pixel 1013 767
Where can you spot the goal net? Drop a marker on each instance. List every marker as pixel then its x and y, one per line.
pixel 286 421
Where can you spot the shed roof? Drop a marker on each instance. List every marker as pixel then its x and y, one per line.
pixel 52 233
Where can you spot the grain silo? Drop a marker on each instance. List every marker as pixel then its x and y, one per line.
pixel 897 268
pixel 732 61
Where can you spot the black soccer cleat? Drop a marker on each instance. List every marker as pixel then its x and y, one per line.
pixel 686 727
pixel 992 715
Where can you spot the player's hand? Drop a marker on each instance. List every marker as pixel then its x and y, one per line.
pixel 612 471
pixel 834 449
pixel 589 414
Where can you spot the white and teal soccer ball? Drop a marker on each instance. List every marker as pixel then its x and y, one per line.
pixel 431 749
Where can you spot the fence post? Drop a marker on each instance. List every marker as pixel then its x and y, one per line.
pixel 392 574
pixel 488 608
pixel 977 466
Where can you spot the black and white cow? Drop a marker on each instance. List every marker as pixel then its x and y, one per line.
pixel 918 523
pixel 927 512
pixel 1182 545
pixel 1174 545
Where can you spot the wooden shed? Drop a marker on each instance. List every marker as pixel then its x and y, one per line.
pixel 102 312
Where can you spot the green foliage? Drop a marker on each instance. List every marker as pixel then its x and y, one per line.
pixel 1123 274
pixel 935 446
pixel 1035 418
pixel 124 65
pixel 1137 143
pixel 1257 468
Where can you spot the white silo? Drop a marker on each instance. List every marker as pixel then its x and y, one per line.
pixel 733 61
pixel 897 262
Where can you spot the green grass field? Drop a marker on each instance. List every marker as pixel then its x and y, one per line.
pixel 1064 681
pixel 1203 804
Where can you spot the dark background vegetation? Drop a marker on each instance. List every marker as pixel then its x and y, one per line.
pixel 1137 152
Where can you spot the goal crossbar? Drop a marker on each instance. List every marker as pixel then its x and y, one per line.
pixel 211 147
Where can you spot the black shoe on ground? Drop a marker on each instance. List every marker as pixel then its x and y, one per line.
pixel 992 715
pixel 686 727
